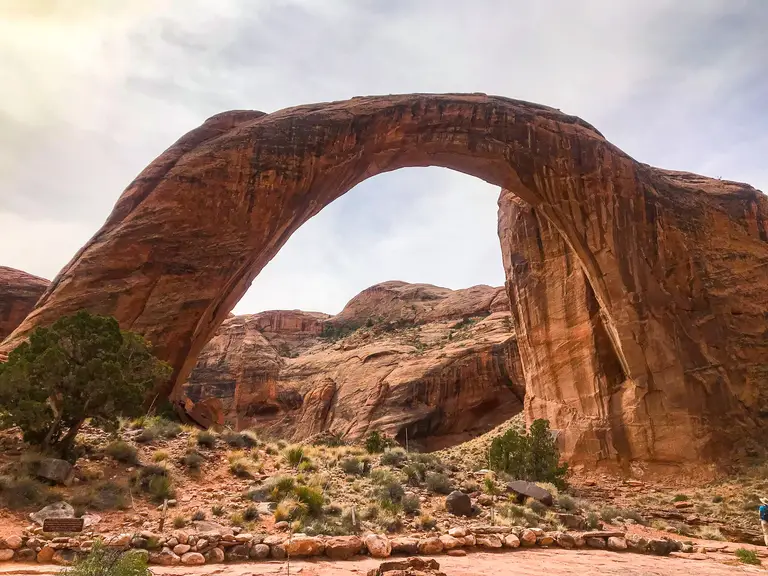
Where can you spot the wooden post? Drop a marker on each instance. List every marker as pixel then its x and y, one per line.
pixel 162 518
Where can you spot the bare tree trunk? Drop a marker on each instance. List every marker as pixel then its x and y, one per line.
pixel 66 442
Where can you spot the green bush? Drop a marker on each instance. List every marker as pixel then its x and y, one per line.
pixel 240 439
pixel 192 460
pixel 566 503
pixel 411 503
pixel 609 513
pixel 593 521
pixel 312 497
pixel 179 522
pixel 23 492
pixel 82 366
pixel 104 561
pixel 533 456
pixel 294 455
pixel 680 498
pixel 198 515
pixel 155 481
pixel 352 466
pixel 376 442
pixel 217 510
pixel 747 556
pixel 122 452
pixel 439 483
pixel 251 513
pixel 415 473
pixel 206 439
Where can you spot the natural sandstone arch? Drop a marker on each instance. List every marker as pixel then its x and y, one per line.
pixel 188 236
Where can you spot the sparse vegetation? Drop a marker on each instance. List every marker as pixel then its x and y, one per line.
pixel 592 521
pixel 251 513
pixel 207 439
pixel 393 456
pixel 680 498
pixel 533 456
pixel 566 503
pixel 199 515
pixel 104 495
pixel 411 503
pixel 376 442
pixel 155 481
pixel 353 466
pixel 710 533
pixel 217 510
pixel 179 522
pixel 747 556
pixel 294 455
pixel 439 483
pixel 23 492
pixel 122 452
pixel 159 456
pixel 192 460
pixel 105 561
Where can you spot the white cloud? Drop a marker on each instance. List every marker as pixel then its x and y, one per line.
pixel 92 93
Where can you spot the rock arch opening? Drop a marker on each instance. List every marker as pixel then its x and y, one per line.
pixel 187 237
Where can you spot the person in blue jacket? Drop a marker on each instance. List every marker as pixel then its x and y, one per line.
pixel 764 518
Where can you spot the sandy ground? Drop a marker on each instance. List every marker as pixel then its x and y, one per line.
pixel 519 562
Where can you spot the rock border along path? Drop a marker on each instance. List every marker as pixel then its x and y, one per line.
pixel 197 548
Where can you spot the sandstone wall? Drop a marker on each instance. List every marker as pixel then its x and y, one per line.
pixel 19 292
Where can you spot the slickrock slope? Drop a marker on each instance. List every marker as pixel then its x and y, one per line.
pixel 19 292
pixel 676 262
pixel 436 362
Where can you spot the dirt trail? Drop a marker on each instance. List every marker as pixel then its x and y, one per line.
pixel 519 563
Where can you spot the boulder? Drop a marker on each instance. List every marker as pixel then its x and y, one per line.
pixel 57 510
pixel 45 555
pixel 238 553
pixel 528 538
pixel 458 504
pixel 511 541
pixel 259 552
pixel 378 546
pixel 545 540
pixel 405 545
pixel 304 546
pixel 25 555
pixel 164 557
pixel 19 292
pixel 458 532
pixel 572 521
pixel 565 540
pixel 659 547
pixel 470 540
pixel 617 544
pixel 525 489
pixel 429 546
pixel 449 542
pixel 13 542
pixel 181 549
pixel 598 543
pixel 6 554
pixel 55 470
pixel 193 559
pixel 118 540
pixel 216 555
pixel 344 547
pixel 277 552
pixel 489 541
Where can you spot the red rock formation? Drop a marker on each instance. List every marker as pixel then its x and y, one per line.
pixel 676 262
pixel 19 292
pixel 413 366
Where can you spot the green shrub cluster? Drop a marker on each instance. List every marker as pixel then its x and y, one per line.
pixel 533 456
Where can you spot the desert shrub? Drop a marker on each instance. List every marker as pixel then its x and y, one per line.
pixel 241 467
pixel 393 457
pixel 192 460
pixel 710 533
pixel 633 515
pixel 566 503
pixel 24 492
pixel 105 495
pixel 592 521
pixel 274 489
pixel 717 499
pixel 82 366
pixel 376 442
pixel 237 439
pixel 199 515
pixel 237 519
pixel 429 461
pixel 312 497
pixel 680 498
pixel 439 483
pixel 747 556
pixel 537 507
pixel 411 503
pixel 330 439
pixel 179 522
pixel 371 512
pixel 122 452
pixel 146 436
pixel 251 513
pixel 533 456
pixel 207 439
pixel 155 481
pixel 290 509
pixel 415 473
pixel 217 510
pixel 294 455
pixel 352 466
pixel 105 561
pixel 489 486
pixel 426 522
pixel 159 456
pixel 307 465
pixel 609 513
pixel 512 511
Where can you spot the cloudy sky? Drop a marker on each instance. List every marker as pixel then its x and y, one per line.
pixel 93 90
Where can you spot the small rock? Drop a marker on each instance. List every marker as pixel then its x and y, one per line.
pixel 13 542
pixel 457 532
pixel 282 525
pixel 181 549
pixel 6 554
pixel 617 544
pixel 57 510
pixel 430 546
pixel 55 470
pixel 511 541
pixel 45 555
pixel 470 540
pixel 165 557
pixel 238 553
pixel 193 559
pixel 378 546
pixel 572 521
pixel 274 539
pixel 259 552
pixel 485 500
pixel 457 552
pixel 565 540
pixel 304 546
pixel 458 504
pixel 683 505
pixel 489 541
pixel 243 538
pixel 216 555
pixel 659 547
pixel 277 552
pixel 25 555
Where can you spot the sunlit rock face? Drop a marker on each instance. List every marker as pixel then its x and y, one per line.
pixel 676 263
pixel 436 364
pixel 19 292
